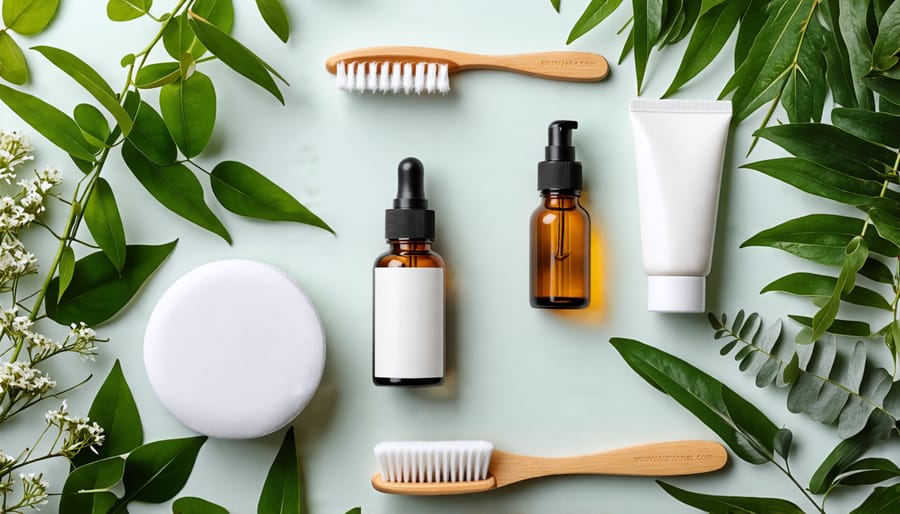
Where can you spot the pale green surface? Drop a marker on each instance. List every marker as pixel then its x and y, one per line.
pixel 527 380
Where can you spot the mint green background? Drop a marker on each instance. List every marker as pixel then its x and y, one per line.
pixel 529 381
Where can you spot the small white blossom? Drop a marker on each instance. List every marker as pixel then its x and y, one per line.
pixel 35 489
pixel 15 262
pixel 19 378
pixel 80 433
pixel 81 340
pixel 6 459
pixel 14 150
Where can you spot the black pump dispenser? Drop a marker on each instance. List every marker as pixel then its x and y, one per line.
pixel 410 218
pixel 560 171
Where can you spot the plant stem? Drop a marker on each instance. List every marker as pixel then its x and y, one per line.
pixel 788 474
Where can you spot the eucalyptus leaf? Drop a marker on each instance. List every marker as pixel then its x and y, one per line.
pixel 722 504
pixel 189 110
pixel 28 17
pixel 806 389
pixel 873 126
pixel 235 55
pixel 852 21
pixel 705 397
pixel 812 284
pixel 276 17
pixel 887 44
pixel 12 61
pixel 242 190
pixel 176 188
pixel 192 505
pixel 151 137
pixel 90 80
pixel 860 408
pixel 596 11
pixel 98 291
pixel 114 409
pixel 156 471
pixel 818 180
pixel 647 26
pixel 761 76
pixel 832 148
pixel 281 490
pixel 99 475
pixel 93 124
pixel 105 223
pixel 126 10
pixel 52 123
pixel 66 269
pixel 713 29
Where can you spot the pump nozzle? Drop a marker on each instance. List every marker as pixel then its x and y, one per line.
pixel 410 185
pixel 559 141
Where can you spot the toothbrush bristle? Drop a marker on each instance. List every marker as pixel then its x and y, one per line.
pixel 433 461
pixel 394 77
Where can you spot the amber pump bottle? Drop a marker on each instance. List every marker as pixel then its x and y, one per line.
pixel 560 228
pixel 408 306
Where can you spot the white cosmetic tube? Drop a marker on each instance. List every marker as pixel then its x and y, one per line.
pixel 679 148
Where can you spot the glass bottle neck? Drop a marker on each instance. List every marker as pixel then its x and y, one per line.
pixel 560 200
pixel 409 245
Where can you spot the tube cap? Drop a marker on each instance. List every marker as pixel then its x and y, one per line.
pixel 676 294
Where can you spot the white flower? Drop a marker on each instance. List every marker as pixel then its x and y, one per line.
pixel 6 459
pixel 81 340
pixel 20 378
pixel 80 433
pixel 35 489
pixel 14 150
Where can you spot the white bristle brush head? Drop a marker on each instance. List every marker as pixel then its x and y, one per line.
pixel 433 461
pixel 394 77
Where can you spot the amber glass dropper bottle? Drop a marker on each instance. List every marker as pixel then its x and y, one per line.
pixel 408 306
pixel 560 228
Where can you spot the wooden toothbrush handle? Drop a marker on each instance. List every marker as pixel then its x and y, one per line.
pixel 571 66
pixel 655 459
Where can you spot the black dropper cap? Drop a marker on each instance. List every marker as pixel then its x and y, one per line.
pixel 560 172
pixel 410 218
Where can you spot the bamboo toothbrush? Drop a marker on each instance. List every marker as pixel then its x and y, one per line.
pixel 410 69
pixel 459 467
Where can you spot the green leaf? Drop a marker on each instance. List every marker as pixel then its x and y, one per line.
pixel 355 510
pixel 93 124
pixel 713 29
pixel 156 75
pixel 281 490
pixel 868 471
pixel 811 284
pixel 723 504
pixel 832 148
pixel 887 44
pixel 887 225
pixel 125 10
pixel 596 12
pixel 647 25
pixel 555 4
pixel 192 505
pixel 806 389
pixel 705 397
pixel 156 471
pixel 888 88
pixel 235 55
pixel 627 47
pixel 176 188
pixel 791 370
pixel 845 454
pixel 820 238
pixel 276 17
pixel 114 409
pixel 151 137
pixel 804 93
pixel 761 77
pixel 98 291
pixel 751 24
pixel 838 326
pixel 862 408
pixel 243 190
pixel 12 61
pixel 105 224
pixel 852 21
pixel 179 39
pixel 189 110
pixel 872 126
pixel 103 474
pixel 217 12
pixel 837 58
pixel 783 440
pixel 29 17
pixel 66 269
pixel 90 80
pixel 818 180
pixel 52 123
pixel 671 10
